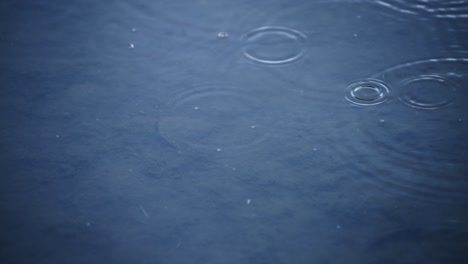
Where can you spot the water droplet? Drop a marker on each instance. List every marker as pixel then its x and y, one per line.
pixel 195 108
pixel 132 46
pixel 382 120
pixel 223 35
pixel 218 149
pixel 273 45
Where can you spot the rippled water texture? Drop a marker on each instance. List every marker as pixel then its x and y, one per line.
pixel 404 146
pixel 421 151
pixel 321 131
pixel 217 118
pixel 401 130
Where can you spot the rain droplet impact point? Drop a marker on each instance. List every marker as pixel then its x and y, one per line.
pixel 367 92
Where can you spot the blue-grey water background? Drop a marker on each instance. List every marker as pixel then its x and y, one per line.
pixel 216 131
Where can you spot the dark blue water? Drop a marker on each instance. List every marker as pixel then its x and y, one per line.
pixel 234 131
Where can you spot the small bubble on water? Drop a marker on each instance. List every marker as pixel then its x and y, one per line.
pixel 218 149
pixel 248 201
pixel 355 35
pixel 382 120
pixel 195 108
pixel 252 126
pixel 132 46
pixel 223 35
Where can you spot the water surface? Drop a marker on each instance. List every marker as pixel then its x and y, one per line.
pixel 234 131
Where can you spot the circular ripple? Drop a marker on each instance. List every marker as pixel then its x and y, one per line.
pixel 427 92
pixel 427 84
pixel 421 154
pixel 214 118
pixel 273 45
pixel 367 92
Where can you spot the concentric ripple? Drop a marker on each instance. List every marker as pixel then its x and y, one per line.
pixel 273 45
pixel 415 153
pixel 427 91
pixel 425 8
pixel 214 119
pixel 367 92
pixel 451 15
pixel 427 84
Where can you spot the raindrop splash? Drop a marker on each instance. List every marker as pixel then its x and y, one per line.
pixel 367 92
